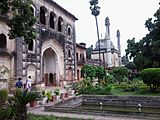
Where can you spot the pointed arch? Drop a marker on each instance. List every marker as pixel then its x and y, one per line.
pixel 31 71
pixel 49 66
pixel 70 74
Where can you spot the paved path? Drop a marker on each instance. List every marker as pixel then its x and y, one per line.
pixel 40 111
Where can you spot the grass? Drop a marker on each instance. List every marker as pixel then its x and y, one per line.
pixel 45 117
pixel 140 92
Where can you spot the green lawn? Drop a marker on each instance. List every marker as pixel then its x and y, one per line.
pixel 141 91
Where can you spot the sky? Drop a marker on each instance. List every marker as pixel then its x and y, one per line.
pixel 128 16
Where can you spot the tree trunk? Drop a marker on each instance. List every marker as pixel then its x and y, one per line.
pixel 21 113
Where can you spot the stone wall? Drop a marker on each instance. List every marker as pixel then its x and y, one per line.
pixel 121 100
pixel 76 101
pixel 71 106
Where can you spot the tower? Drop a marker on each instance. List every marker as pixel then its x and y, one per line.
pixel 108 40
pixel 119 47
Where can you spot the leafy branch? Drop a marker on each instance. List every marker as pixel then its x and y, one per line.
pixel 22 22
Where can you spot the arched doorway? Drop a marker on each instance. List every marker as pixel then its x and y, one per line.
pixel 49 67
pixel 70 74
pixel 31 71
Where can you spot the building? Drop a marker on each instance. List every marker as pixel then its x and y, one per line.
pixel 51 57
pixel 109 55
pixel 81 58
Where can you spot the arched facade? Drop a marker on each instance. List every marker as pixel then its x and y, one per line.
pixel 45 58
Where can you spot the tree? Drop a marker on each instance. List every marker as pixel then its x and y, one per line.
pixel 146 52
pixel 89 71
pixel 4 6
pixel 151 77
pixel 100 73
pixel 130 65
pixel 119 73
pixel 21 99
pixel 125 60
pixel 22 22
pixel 93 71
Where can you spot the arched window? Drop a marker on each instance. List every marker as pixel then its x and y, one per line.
pixel 77 56
pixel 60 23
pixel 43 15
pixel 52 20
pixel 80 56
pixel 69 53
pixel 31 45
pixel 32 10
pixel 3 41
pixel 69 31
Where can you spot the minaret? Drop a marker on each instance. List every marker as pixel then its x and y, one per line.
pixel 107 35
pixel 119 47
pixel 108 41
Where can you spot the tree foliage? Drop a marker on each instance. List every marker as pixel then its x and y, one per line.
pixel 88 71
pixel 151 77
pixel 146 52
pixel 100 72
pixel 4 6
pixel 93 71
pixel 119 73
pixel 130 65
pixel 22 20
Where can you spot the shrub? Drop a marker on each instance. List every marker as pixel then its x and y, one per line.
pixel 151 77
pixel 3 95
pixel 56 91
pixel 97 90
pixel 49 95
